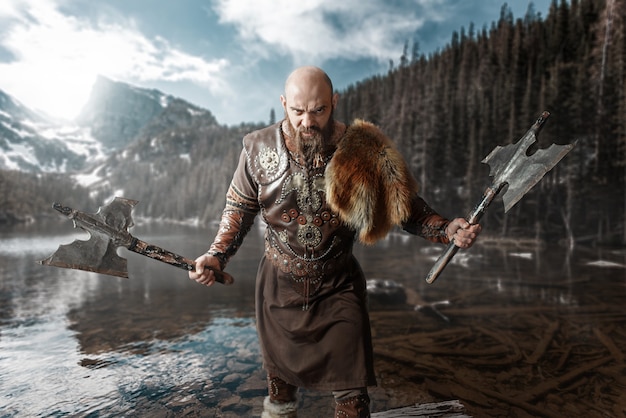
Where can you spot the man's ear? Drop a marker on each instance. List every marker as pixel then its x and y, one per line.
pixel 335 99
pixel 283 101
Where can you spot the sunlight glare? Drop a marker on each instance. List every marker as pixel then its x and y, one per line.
pixel 57 59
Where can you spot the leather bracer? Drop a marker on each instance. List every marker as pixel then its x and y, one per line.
pixel 425 222
pixel 237 219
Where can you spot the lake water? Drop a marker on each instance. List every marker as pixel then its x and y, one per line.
pixel 507 330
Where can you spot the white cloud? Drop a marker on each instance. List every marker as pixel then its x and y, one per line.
pixel 57 57
pixel 318 30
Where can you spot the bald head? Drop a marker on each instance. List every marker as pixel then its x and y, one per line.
pixel 307 77
pixel 309 100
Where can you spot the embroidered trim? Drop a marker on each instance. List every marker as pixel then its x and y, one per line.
pixel 301 267
pixel 266 154
pixel 269 160
pixel 235 199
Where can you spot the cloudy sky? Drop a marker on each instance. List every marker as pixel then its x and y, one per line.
pixel 229 56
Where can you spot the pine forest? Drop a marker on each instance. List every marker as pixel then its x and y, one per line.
pixel 448 110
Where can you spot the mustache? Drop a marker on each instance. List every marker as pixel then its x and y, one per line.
pixel 309 130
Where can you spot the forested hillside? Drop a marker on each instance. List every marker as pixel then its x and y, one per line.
pixel 448 110
pixel 25 197
pixel 179 169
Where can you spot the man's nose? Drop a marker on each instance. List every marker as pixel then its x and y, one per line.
pixel 307 120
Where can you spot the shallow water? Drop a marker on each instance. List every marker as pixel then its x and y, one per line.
pixel 75 343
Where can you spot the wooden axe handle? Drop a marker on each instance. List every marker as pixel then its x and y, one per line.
pixel 141 247
pixel 441 262
pixel 473 217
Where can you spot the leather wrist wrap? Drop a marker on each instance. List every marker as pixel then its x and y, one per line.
pixel 237 219
pixel 425 222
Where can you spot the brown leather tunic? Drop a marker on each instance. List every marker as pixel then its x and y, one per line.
pixel 311 310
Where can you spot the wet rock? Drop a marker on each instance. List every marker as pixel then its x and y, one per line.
pixel 94 363
pixel 254 387
pixel 236 366
pixel 235 404
pixel 232 378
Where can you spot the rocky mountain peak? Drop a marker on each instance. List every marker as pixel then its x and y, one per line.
pixel 116 112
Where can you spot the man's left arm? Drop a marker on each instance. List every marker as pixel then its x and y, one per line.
pixel 427 223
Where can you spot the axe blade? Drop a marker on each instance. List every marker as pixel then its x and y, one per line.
pixel 107 229
pixel 98 255
pixel 512 166
pixel 118 213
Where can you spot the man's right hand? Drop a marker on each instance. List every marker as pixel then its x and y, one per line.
pixel 204 275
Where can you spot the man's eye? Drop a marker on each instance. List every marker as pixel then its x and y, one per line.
pixel 320 110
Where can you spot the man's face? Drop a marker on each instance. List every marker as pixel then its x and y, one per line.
pixel 313 139
pixel 309 106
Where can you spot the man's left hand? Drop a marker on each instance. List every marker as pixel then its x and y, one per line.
pixel 462 233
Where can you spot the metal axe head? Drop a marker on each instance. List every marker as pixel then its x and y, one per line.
pixel 98 253
pixel 511 164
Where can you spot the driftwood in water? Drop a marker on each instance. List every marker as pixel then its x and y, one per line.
pixel 515 359
pixel 447 409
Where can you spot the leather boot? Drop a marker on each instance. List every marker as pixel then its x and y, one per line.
pixel 282 401
pixel 354 407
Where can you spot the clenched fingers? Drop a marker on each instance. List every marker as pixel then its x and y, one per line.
pixel 462 233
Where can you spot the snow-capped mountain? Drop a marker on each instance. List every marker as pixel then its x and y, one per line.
pixel 116 112
pixel 32 142
pixel 114 115
pixel 128 141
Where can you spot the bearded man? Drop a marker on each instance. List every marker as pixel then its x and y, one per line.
pixel 318 185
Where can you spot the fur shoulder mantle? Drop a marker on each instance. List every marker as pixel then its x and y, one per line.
pixel 368 182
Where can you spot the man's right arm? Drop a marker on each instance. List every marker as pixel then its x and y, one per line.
pixel 237 219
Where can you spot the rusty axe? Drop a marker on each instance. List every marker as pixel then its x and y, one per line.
pixel 510 166
pixel 108 230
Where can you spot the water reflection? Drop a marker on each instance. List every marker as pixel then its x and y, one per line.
pixel 79 343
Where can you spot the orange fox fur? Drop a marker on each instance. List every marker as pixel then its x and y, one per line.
pixel 368 182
